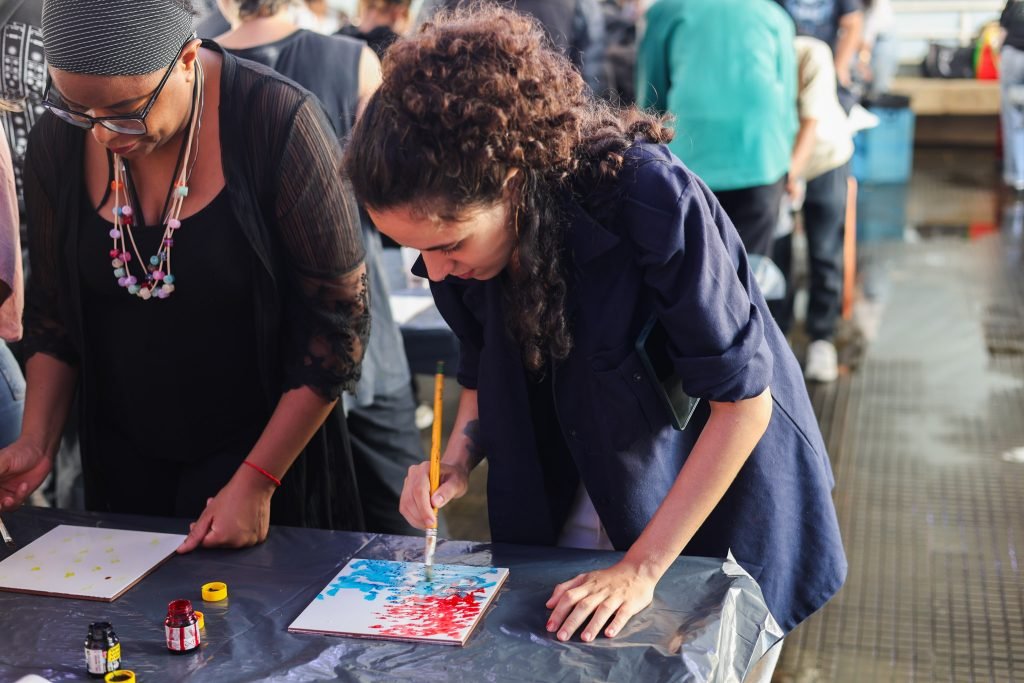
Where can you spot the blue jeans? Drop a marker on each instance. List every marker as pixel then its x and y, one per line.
pixel 824 224
pixel 12 397
pixel 1011 77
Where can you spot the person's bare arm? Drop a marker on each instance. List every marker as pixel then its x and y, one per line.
pixel 26 462
pixel 851 30
pixel 369 78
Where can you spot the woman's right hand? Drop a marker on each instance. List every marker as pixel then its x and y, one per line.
pixel 415 504
pixel 23 467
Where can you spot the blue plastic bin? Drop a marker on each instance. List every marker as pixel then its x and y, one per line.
pixel 885 154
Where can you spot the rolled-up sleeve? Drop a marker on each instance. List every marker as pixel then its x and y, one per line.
pixel 695 266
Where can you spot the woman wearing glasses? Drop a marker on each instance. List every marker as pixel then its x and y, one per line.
pixel 197 277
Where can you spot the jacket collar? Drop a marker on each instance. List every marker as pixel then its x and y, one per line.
pixel 586 238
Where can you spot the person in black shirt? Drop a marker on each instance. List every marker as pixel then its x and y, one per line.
pixel 341 72
pixel 576 27
pixel 381 22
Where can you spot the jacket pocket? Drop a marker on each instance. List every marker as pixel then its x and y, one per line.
pixel 626 406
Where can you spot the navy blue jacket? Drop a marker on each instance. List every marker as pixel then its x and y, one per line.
pixel 666 249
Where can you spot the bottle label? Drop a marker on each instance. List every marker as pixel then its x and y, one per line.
pixel 182 639
pixel 96 661
pixel 114 658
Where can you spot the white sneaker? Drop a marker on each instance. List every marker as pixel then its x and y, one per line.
pixel 822 364
pixel 861 119
pixel 424 416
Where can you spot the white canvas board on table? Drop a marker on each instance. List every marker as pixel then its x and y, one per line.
pixel 86 562
pixel 399 601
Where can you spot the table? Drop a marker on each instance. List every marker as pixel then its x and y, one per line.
pixel 708 620
pixel 427 337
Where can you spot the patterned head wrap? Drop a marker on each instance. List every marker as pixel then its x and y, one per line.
pixel 114 37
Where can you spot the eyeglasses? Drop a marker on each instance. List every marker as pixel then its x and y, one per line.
pixel 128 124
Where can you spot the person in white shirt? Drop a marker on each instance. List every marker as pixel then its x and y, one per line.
pixel 819 169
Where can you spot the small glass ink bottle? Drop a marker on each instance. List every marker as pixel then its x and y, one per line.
pixel 181 627
pixel 102 650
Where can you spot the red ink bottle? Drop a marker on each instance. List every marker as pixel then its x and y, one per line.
pixel 102 650
pixel 181 627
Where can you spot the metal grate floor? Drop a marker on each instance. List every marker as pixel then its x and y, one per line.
pixel 924 437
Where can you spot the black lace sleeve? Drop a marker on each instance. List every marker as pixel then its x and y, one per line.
pixel 327 302
pixel 45 331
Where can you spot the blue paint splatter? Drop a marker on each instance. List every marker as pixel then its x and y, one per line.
pixel 398 580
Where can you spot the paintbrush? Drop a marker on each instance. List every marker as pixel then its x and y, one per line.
pixel 7 535
pixel 435 468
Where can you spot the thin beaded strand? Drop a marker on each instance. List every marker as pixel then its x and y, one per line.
pixel 159 282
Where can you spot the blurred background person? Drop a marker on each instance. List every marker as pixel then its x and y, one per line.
pixel 380 23
pixel 12 298
pixel 22 74
pixel 818 175
pixel 878 56
pixel 1011 76
pixel 837 23
pixel 725 69
pixel 576 27
pixel 342 72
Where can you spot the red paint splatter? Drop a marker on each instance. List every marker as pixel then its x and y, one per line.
pixel 422 616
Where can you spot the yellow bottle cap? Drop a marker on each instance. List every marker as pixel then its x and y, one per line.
pixel 121 676
pixel 200 622
pixel 215 591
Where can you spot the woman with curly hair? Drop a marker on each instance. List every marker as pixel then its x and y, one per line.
pixel 555 230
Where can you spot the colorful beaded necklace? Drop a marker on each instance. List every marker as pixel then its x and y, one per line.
pixel 158 279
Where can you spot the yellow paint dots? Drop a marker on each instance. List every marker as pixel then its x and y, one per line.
pixel 68 575
pixel 97 568
pixel 108 550
pixel 35 569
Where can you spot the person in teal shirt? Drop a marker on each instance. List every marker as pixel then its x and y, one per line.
pixel 726 70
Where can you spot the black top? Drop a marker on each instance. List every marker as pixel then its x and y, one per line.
pixel 327 66
pixel 379 39
pixel 200 325
pixel 1012 20
pixel 306 291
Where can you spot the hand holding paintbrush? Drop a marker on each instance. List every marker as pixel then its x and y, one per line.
pixel 8 541
pixel 435 463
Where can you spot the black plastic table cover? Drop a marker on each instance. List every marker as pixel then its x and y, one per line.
pixel 708 621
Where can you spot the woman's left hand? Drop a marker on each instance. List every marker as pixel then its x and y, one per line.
pixel 237 517
pixel 620 591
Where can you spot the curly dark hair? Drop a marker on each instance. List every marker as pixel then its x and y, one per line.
pixel 260 8
pixel 476 93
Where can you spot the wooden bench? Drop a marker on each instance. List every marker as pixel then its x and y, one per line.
pixel 956 111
